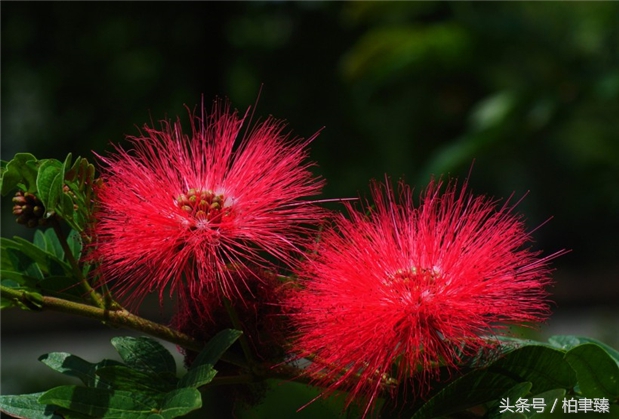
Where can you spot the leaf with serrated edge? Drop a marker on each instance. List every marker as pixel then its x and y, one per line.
pixel 597 372
pixel 27 406
pixel 101 403
pixel 145 354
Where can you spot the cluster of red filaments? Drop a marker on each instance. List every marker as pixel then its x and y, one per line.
pixel 417 282
pixel 204 205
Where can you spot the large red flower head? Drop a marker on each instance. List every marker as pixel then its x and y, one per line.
pixel 181 208
pixel 396 290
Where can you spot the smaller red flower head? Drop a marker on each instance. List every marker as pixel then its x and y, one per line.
pixel 397 290
pixel 261 318
pixel 180 209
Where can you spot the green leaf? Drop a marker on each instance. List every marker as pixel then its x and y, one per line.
pixel 21 262
pixel 565 342
pixel 472 389
pixel 536 405
pixel 49 242
pixel 541 366
pixel 568 342
pixel 101 403
pixel 71 172
pixel 36 269
pixel 18 280
pixel 146 355
pixel 202 370
pixel 198 376
pixel 597 372
pixel 45 261
pixel 20 172
pixel 67 364
pixel 180 402
pixel 80 179
pixel 122 377
pixel 94 380
pixel 516 392
pixel 27 406
pixel 66 166
pixel 60 286
pixel 75 366
pixel 50 180
pixel 216 347
pixel 514 342
pixel 65 209
pixel 553 400
pixel 74 241
pixel 69 414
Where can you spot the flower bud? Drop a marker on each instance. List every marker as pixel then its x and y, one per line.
pixel 29 209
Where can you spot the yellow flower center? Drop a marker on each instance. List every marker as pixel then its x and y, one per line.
pixel 415 284
pixel 205 205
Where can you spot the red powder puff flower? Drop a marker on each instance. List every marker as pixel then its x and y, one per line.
pixel 397 290
pixel 179 209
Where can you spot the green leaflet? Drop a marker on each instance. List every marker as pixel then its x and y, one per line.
pixel 27 406
pixel 202 370
pixel 146 355
pixel 597 372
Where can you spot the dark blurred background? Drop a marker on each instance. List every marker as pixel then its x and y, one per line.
pixel 529 91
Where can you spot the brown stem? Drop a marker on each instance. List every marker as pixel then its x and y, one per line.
pixel 119 318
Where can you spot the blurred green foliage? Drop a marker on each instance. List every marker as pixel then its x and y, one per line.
pixel 528 90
